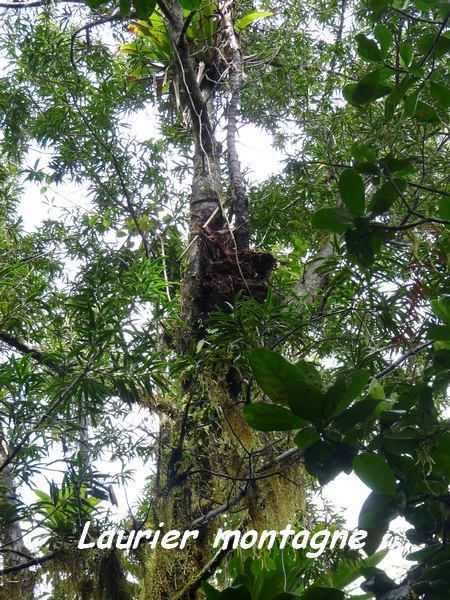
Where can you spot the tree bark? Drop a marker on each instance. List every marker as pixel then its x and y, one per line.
pixel 13 549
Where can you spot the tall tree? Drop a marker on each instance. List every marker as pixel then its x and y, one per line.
pixel 154 292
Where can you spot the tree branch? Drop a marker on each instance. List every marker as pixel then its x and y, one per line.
pixel 39 356
pixel 51 409
pixel 208 570
pixel 31 563
pixel 291 454
pixel 240 199
pixel 402 359
pixel 183 63
pixel 36 3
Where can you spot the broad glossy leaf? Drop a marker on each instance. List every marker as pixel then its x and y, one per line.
pixel 362 93
pixel 325 460
pixel 385 197
pixel 363 153
pixel 439 572
pixel 368 49
pixel 95 3
pixel 323 593
pixel 406 53
pixel 426 113
pixel 444 208
pixel 351 189
pixel 333 219
pixel 378 5
pixel 374 517
pixel 410 103
pixel 399 91
pixel 441 306
pixel 125 7
pixel 210 592
pixel 190 4
pixel 403 166
pixel 428 41
pixel 144 8
pixel 374 471
pixel 271 417
pixel 384 37
pixel 346 389
pixel 244 22
pixel 439 333
pixel 433 553
pixel 272 372
pixel 287 383
pixel 441 94
pixel 306 437
pixel 358 413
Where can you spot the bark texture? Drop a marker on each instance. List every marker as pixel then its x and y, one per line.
pixel 14 551
pixel 210 436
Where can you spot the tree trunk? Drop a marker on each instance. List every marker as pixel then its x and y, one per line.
pixel 14 551
pixel 219 264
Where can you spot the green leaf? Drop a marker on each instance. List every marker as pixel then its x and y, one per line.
pixel 374 471
pixel 323 593
pixel 272 373
pixel 287 383
pixel 346 389
pixel 334 219
pixel 306 437
pixel 351 189
pixel 325 460
pixel 439 572
pixel 366 168
pixel 436 551
pixel 444 208
pixel 411 103
pixel 406 54
pixel 210 592
pixel 363 244
pixel 95 3
pixel 375 515
pixel 440 94
pixel 426 113
pixel 358 413
pixel 363 153
pixel 376 389
pixel 235 592
pixel 251 18
pixel 385 196
pixel 390 164
pixel 306 400
pixel 441 306
pixel 399 91
pixel 439 333
pixel 144 8
pixel 362 93
pixel 271 417
pixel 124 7
pixel 190 4
pixel 384 37
pixel 440 45
pixel 368 49
pixel 378 5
